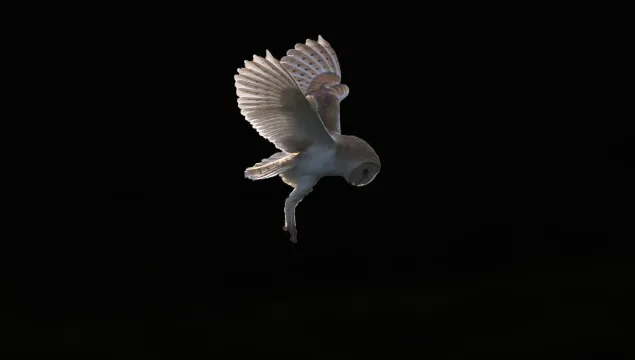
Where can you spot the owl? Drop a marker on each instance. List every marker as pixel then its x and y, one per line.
pixel 295 104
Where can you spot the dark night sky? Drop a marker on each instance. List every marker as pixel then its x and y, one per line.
pixel 495 224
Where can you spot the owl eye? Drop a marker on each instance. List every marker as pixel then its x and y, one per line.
pixel 365 172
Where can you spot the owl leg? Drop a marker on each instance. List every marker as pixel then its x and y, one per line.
pixel 302 189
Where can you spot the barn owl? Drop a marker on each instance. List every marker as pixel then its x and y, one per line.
pixel 295 104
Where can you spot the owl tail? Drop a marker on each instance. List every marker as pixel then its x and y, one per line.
pixel 276 164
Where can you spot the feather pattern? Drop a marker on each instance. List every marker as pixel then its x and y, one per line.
pixel 276 164
pixel 327 63
pixel 331 53
pixel 312 64
pixel 271 100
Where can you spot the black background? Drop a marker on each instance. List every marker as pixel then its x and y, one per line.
pixel 498 223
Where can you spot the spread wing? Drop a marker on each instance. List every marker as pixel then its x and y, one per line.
pixel 276 107
pixel 315 68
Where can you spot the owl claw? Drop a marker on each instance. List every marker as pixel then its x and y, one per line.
pixel 293 232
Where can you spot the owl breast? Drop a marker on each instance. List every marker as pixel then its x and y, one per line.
pixel 315 161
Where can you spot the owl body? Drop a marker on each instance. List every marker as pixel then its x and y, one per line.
pixel 317 160
pixel 336 160
pixel 313 163
pixel 294 103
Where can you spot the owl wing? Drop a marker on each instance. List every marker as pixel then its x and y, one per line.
pixel 315 68
pixel 276 107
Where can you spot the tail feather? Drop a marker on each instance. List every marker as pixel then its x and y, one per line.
pixel 276 164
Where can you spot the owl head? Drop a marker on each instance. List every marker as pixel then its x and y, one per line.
pixel 360 163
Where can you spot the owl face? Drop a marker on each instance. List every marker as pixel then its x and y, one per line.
pixel 357 161
pixel 363 174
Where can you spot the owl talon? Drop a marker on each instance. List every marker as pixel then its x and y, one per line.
pixel 293 233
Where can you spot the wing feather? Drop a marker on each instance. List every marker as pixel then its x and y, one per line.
pixel 314 66
pixel 273 103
